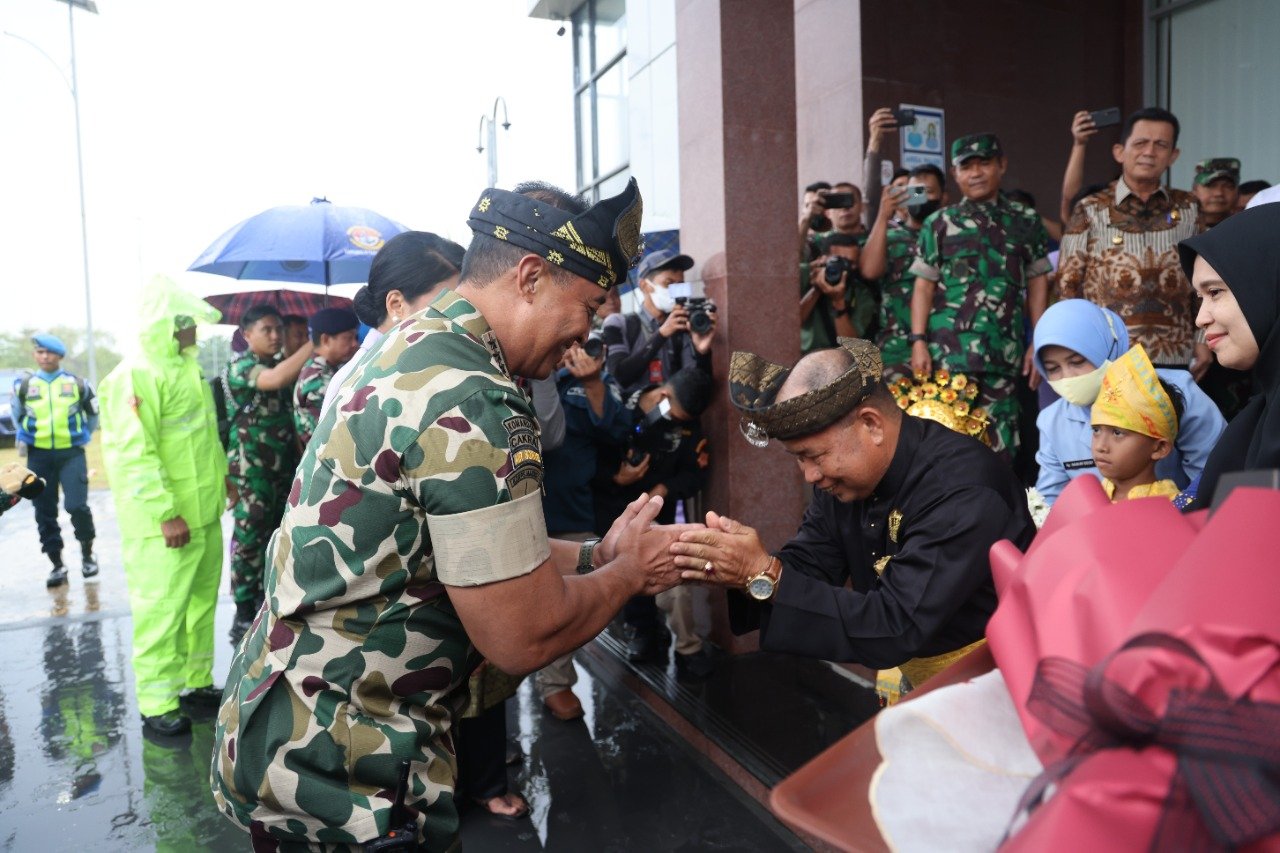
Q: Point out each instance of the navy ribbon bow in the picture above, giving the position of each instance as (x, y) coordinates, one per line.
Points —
(1226, 790)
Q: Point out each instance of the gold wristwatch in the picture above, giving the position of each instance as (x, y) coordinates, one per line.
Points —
(761, 587)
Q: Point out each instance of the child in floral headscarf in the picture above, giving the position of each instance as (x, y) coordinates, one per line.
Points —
(1135, 424)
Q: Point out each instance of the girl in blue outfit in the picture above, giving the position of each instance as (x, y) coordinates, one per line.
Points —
(1075, 341)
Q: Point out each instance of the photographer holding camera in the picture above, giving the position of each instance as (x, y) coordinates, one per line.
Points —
(666, 455)
(813, 217)
(888, 254)
(594, 419)
(828, 303)
(668, 333)
(830, 287)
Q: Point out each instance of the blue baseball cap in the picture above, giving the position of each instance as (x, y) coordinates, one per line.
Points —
(50, 342)
(663, 259)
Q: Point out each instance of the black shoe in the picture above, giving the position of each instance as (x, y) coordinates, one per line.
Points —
(239, 627)
(245, 613)
(202, 697)
(695, 667)
(57, 576)
(168, 724)
(89, 565)
(645, 647)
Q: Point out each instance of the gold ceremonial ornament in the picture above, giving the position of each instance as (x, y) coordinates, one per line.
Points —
(944, 397)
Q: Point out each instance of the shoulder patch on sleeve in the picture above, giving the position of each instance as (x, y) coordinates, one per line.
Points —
(524, 458)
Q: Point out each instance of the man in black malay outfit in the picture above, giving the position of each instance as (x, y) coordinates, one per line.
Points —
(904, 508)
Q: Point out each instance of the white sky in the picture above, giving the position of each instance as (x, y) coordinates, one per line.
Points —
(195, 116)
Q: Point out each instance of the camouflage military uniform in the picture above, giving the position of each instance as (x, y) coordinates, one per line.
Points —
(261, 456)
(896, 288)
(360, 660)
(308, 396)
(982, 254)
(861, 300)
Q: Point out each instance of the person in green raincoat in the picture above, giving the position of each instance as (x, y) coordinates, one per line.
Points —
(167, 472)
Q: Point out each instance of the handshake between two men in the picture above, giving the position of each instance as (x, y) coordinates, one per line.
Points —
(722, 552)
(522, 624)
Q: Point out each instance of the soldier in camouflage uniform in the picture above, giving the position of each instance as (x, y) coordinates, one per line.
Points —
(262, 452)
(333, 334)
(886, 260)
(990, 256)
(414, 544)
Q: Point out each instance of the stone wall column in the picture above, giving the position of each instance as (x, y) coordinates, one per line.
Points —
(737, 115)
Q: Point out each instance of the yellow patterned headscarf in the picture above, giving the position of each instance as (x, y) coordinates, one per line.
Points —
(1132, 399)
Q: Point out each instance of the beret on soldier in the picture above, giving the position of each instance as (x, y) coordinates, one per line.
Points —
(600, 245)
(52, 343)
(975, 145)
(333, 321)
(754, 384)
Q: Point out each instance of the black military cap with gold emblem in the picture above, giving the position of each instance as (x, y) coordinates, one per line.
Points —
(754, 384)
(600, 245)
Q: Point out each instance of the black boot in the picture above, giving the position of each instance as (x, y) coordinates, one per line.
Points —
(245, 611)
(58, 576)
(89, 563)
(168, 724)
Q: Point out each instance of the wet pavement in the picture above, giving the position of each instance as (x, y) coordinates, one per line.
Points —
(76, 771)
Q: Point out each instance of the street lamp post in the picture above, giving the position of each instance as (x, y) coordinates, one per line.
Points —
(89, 6)
(73, 85)
(491, 124)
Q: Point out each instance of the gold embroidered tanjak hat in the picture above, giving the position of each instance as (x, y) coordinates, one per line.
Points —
(1131, 398)
(600, 245)
(754, 384)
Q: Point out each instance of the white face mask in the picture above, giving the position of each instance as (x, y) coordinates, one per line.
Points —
(662, 299)
(1080, 390)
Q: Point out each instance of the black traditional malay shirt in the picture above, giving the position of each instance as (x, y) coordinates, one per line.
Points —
(914, 556)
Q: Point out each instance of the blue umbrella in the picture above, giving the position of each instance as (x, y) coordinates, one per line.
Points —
(318, 243)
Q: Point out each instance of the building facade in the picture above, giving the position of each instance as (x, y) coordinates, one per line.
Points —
(724, 109)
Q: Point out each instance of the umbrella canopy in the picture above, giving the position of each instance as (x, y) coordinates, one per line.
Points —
(318, 243)
(233, 305)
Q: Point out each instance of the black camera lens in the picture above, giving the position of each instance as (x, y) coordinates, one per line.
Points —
(700, 321)
(594, 347)
(835, 268)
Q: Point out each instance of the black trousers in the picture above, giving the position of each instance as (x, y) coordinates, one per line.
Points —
(482, 755)
(66, 469)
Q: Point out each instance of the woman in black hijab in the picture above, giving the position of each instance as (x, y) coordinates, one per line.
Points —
(1235, 270)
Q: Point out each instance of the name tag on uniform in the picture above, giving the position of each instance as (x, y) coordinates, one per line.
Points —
(66, 389)
(1078, 464)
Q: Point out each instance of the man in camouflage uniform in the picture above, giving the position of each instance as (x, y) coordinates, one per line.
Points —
(333, 334)
(845, 308)
(990, 256)
(262, 452)
(888, 254)
(414, 543)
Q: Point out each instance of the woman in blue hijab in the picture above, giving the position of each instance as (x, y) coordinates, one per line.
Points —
(1075, 340)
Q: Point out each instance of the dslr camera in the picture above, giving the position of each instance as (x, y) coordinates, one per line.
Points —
(593, 346)
(836, 267)
(700, 310)
(649, 434)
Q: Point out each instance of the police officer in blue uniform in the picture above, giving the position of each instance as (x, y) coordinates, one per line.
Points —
(57, 413)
